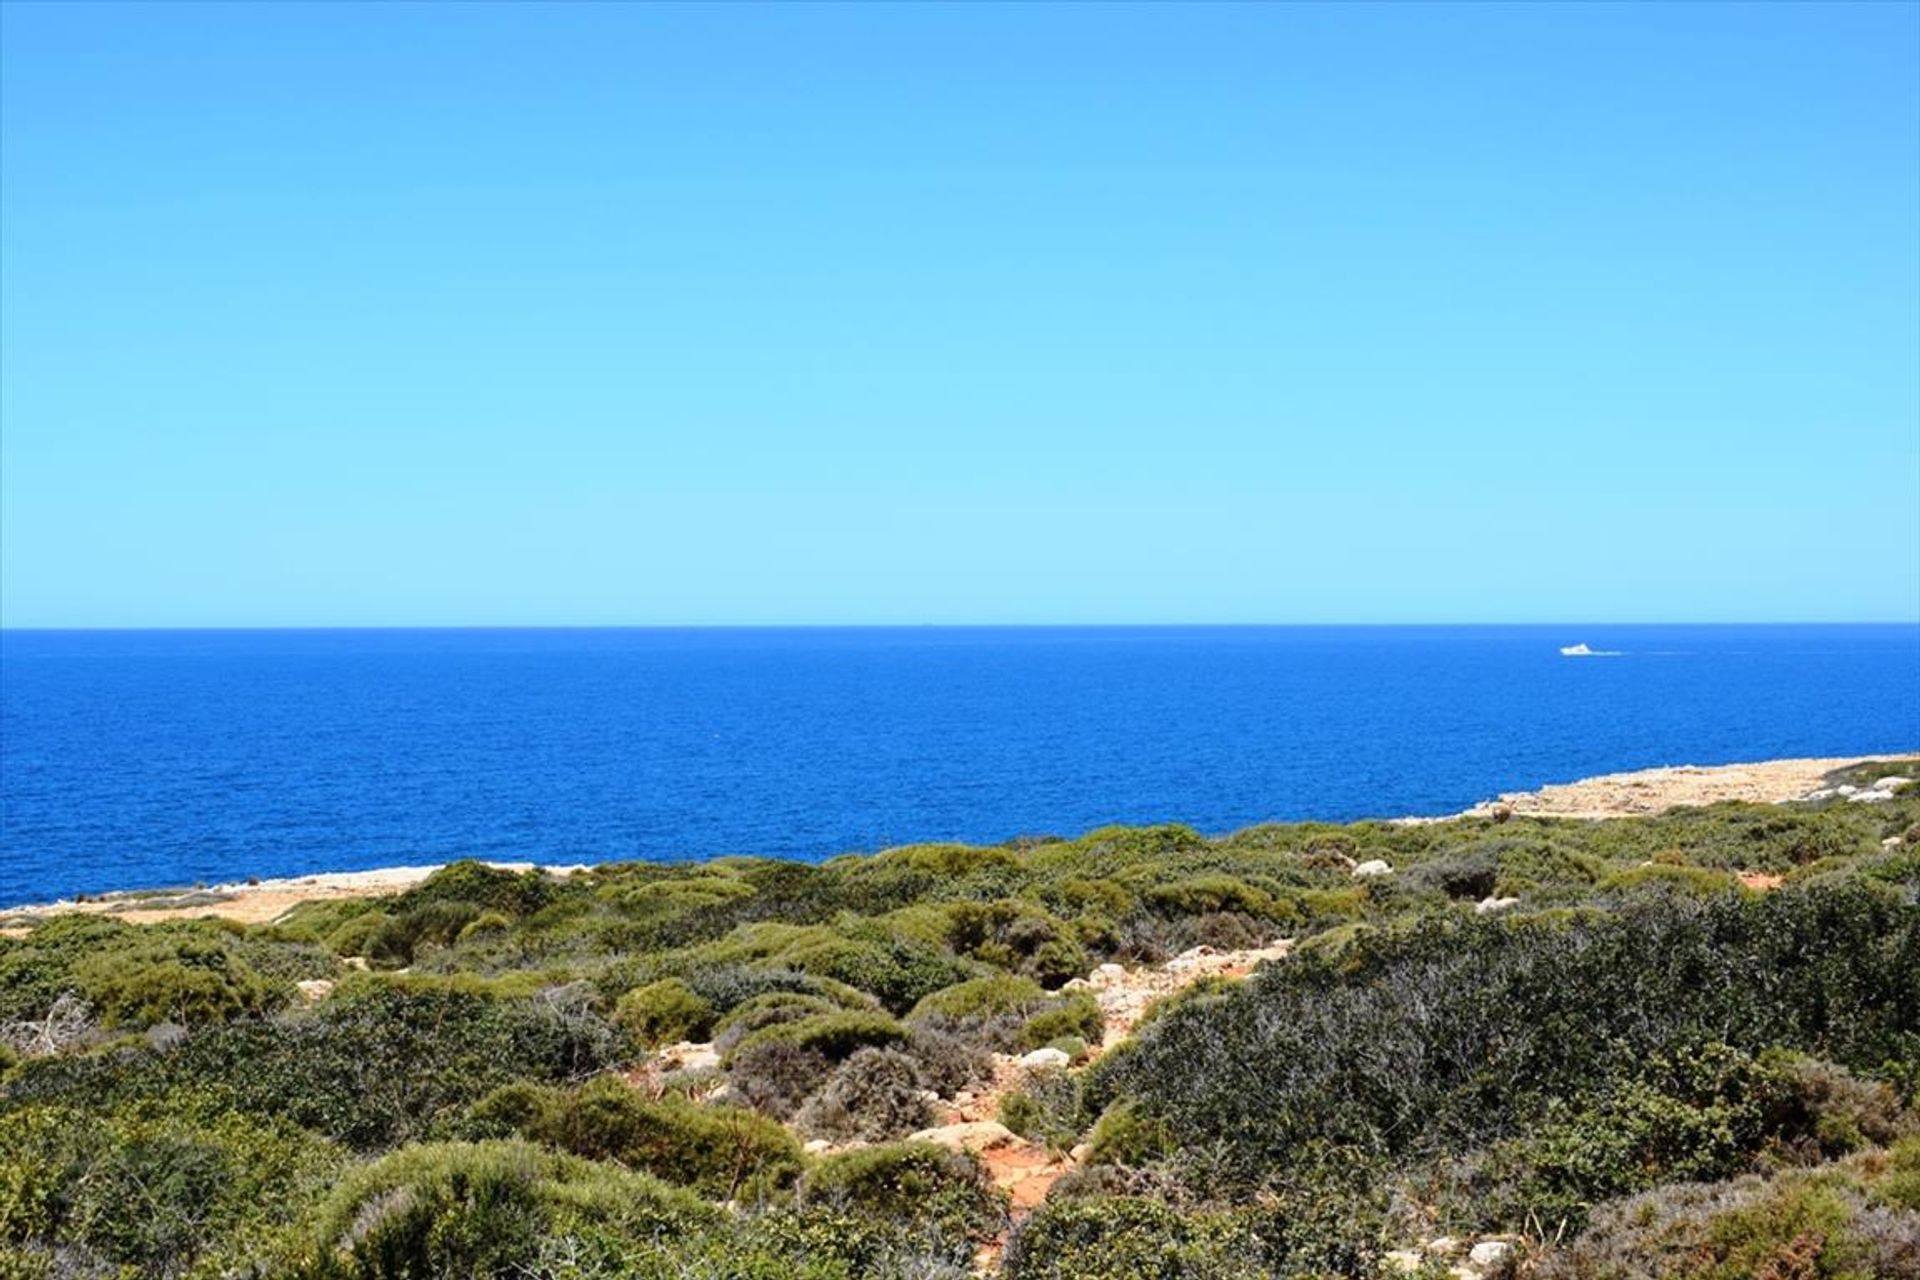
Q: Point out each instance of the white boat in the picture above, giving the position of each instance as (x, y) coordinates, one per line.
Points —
(1575, 651)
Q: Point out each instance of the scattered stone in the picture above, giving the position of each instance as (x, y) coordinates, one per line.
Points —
(1444, 1246)
(1487, 906)
(1845, 789)
(1892, 782)
(1491, 1255)
(1373, 867)
(1107, 975)
(314, 990)
(1044, 1058)
(1080, 1153)
(1404, 1260)
(816, 1146)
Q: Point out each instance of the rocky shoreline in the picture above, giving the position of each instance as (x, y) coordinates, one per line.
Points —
(1642, 793)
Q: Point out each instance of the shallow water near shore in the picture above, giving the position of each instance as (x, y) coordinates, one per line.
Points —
(146, 758)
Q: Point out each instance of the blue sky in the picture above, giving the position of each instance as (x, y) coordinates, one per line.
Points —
(344, 315)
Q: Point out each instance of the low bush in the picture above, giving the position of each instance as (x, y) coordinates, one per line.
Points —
(188, 977)
(664, 1012)
(482, 1209)
(1048, 1108)
(775, 1076)
(1844, 1221)
(871, 1097)
(982, 997)
(914, 1184)
(370, 1070)
(1454, 1035)
(834, 1036)
(1077, 1015)
(1124, 1239)
(723, 1153)
(160, 1188)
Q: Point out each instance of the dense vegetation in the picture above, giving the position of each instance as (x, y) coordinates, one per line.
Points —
(1593, 1040)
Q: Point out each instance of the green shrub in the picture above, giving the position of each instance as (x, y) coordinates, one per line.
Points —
(915, 1184)
(486, 924)
(1048, 1107)
(1125, 1239)
(369, 1069)
(163, 976)
(664, 1012)
(353, 937)
(403, 938)
(834, 1036)
(482, 1209)
(1000, 993)
(721, 1152)
(1835, 1222)
(159, 1188)
(1125, 1136)
(1697, 881)
(475, 884)
(1451, 1036)
(766, 1011)
(1078, 1015)
(775, 1076)
(871, 1097)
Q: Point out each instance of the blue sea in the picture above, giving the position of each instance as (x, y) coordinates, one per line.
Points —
(134, 759)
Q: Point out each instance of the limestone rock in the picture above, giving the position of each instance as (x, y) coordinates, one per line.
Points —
(1044, 1058)
(1373, 867)
(1487, 906)
(314, 990)
(1491, 1255)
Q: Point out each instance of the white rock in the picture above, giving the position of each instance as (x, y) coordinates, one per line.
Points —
(1107, 975)
(815, 1146)
(1043, 1058)
(1844, 790)
(1490, 1254)
(1891, 782)
(1373, 867)
(1080, 1152)
(1487, 906)
(1891, 842)
(688, 1056)
(314, 989)
(1407, 1260)
(1870, 797)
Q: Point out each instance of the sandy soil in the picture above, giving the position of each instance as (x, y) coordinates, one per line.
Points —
(1616, 795)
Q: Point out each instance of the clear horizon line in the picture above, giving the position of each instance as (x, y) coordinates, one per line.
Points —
(945, 626)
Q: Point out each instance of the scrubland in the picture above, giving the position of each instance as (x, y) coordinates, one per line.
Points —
(1684, 1045)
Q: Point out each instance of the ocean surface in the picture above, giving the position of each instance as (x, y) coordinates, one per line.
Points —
(132, 759)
